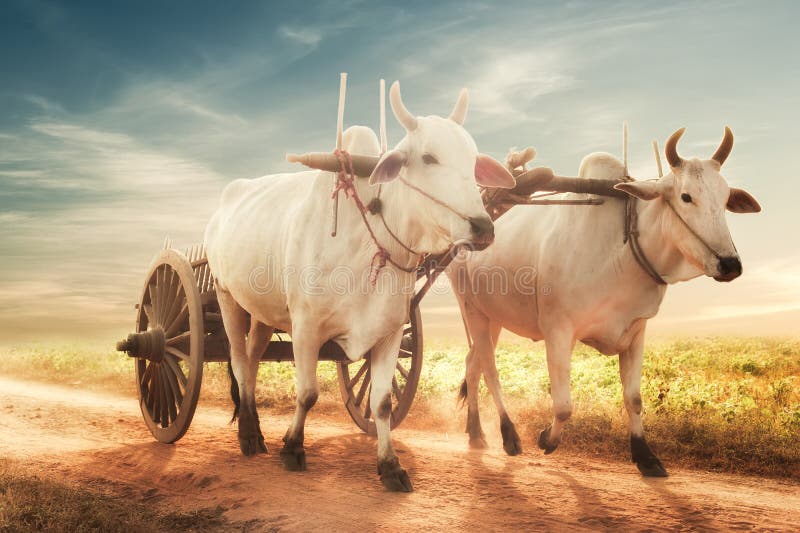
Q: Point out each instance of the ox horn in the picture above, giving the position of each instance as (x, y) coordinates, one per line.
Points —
(402, 114)
(671, 149)
(459, 113)
(725, 147)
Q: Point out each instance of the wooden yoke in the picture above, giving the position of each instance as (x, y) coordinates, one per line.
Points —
(363, 165)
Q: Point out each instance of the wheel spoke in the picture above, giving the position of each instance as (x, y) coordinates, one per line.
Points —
(363, 388)
(173, 383)
(175, 306)
(173, 413)
(396, 388)
(164, 401)
(358, 375)
(367, 411)
(172, 329)
(156, 393)
(151, 289)
(177, 353)
(168, 293)
(402, 370)
(177, 339)
(406, 330)
(148, 312)
(146, 375)
(176, 370)
(148, 391)
(159, 291)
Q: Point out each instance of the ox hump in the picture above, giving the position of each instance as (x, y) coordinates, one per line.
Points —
(601, 165)
(361, 140)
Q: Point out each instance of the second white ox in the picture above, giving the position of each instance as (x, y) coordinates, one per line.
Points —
(273, 258)
(564, 274)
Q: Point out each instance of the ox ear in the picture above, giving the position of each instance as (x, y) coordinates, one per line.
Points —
(389, 167)
(644, 190)
(741, 201)
(490, 173)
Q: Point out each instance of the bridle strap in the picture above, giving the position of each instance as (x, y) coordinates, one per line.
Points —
(427, 195)
(389, 230)
(432, 198)
(632, 237)
(693, 232)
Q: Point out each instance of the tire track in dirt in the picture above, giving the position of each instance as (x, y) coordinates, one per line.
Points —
(100, 441)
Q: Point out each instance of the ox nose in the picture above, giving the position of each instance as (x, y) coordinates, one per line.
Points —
(730, 268)
(482, 231)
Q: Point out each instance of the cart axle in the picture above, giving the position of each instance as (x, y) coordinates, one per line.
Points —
(148, 345)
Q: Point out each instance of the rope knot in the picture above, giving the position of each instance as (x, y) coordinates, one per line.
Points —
(345, 177)
(377, 263)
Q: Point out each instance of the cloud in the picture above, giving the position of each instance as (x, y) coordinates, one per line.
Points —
(43, 103)
(80, 135)
(304, 36)
(509, 82)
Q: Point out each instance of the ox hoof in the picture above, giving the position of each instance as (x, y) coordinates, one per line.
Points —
(478, 443)
(544, 441)
(511, 441)
(646, 461)
(293, 458)
(252, 445)
(393, 477)
(653, 468)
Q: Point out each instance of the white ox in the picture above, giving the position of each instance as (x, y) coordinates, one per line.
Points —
(273, 257)
(588, 286)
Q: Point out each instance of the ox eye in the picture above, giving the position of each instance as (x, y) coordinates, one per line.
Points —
(686, 198)
(429, 159)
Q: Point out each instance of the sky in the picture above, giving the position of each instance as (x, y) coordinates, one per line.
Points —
(121, 122)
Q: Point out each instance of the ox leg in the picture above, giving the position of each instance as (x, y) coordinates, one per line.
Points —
(383, 361)
(470, 394)
(630, 371)
(244, 368)
(486, 351)
(479, 330)
(559, 354)
(306, 355)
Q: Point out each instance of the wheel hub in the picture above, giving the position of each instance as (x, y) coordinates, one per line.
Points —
(148, 344)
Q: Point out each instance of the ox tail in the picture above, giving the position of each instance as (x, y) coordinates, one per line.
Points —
(462, 393)
(234, 393)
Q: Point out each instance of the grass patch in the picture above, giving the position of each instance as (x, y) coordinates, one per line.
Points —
(714, 403)
(34, 503)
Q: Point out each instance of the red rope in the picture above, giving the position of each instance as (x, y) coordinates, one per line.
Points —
(345, 181)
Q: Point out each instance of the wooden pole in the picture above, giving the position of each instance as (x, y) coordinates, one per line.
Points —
(543, 179)
(625, 146)
(658, 158)
(339, 127)
(384, 145)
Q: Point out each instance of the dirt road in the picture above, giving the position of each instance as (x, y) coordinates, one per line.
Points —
(100, 441)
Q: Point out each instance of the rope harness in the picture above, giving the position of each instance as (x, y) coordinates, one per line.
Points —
(345, 181)
(632, 235)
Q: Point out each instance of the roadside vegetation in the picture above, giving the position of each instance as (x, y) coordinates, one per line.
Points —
(32, 502)
(720, 404)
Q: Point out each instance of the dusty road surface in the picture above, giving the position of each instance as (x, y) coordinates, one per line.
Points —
(100, 441)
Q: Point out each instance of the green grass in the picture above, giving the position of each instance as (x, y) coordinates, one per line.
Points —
(713, 403)
(31, 502)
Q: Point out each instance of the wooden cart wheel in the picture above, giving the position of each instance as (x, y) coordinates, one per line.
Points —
(170, 337)
(355, 380)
